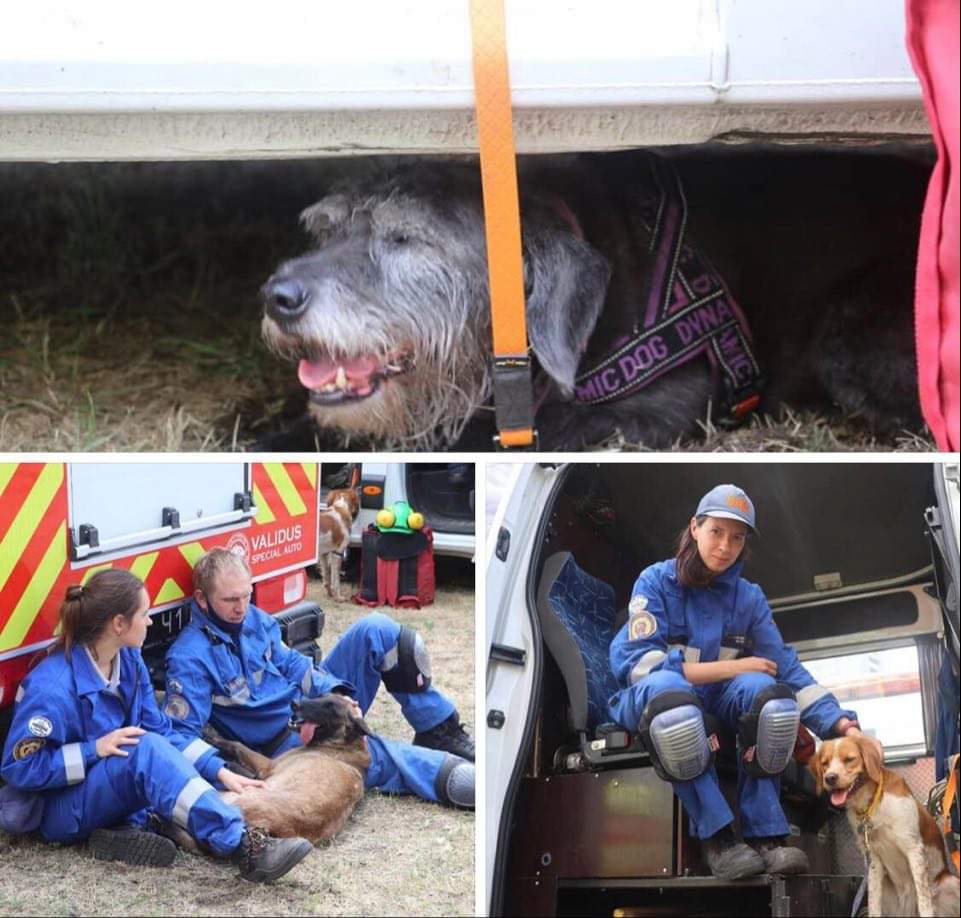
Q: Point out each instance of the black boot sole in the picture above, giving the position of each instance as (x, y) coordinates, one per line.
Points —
(263, 875)
(142, 849)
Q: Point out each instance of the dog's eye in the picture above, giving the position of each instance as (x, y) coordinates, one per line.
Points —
(400, 238)
(849, 760)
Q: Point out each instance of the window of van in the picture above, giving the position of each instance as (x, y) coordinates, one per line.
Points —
(884, 687)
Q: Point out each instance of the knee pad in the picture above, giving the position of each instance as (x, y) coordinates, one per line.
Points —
(768, 732)
(455, 783)
(674, 732)
(406, 666)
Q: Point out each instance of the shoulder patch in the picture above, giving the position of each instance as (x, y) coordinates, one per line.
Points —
(641, 624)
(27, 747)
(177, 707)
(40, 726)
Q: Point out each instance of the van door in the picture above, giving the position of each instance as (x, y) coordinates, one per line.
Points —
(943, 529)
(513, 654)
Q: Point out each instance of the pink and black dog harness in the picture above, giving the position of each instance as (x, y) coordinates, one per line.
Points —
(688, 312)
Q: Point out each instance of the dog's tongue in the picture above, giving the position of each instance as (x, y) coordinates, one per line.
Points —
(839, 797)
(307, 732)
(313, 374)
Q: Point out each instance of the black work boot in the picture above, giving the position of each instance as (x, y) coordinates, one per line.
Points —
(132, 845)
(778, 857)
(263, 859)
(448, 736)
(730, 859)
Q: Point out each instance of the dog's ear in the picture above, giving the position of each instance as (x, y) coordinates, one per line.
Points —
(873, 762)
(320, 218)
(817, 770)
(356, 727)
(565, 281)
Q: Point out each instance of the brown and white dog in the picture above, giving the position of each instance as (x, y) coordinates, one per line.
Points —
(908, 872)
(334, 537)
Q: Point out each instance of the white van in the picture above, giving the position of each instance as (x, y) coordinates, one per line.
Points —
(859, 562)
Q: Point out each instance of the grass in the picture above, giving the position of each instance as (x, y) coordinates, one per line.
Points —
(396, 856)
(129, 312)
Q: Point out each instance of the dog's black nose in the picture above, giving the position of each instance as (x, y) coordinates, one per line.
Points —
(830, 780)
(285, 299)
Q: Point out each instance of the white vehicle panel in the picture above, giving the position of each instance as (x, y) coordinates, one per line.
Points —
(296, 77)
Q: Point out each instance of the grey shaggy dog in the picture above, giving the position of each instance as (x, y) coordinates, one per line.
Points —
(388, 316)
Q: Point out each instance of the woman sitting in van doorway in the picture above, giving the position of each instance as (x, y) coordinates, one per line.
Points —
(88, 739)
(701, 638)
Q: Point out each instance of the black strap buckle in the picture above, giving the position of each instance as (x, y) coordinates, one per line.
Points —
(513, 397)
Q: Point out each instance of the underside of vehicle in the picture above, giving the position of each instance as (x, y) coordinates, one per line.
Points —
(856, 585)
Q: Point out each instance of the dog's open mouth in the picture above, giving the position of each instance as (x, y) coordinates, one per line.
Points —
(334, 380)
(840, 797)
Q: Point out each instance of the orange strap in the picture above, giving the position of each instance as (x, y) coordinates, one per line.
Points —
(515, 416)
(949, 793)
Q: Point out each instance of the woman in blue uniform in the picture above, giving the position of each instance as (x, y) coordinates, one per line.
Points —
(87, 737)
(700, 638)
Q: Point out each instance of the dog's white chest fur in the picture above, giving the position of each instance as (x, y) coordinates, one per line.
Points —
(892, 837)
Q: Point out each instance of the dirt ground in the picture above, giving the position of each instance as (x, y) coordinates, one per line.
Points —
(130, 314)
(396, 856)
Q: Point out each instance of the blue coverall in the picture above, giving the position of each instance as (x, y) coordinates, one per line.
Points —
(63, 707)
(726, 620)
(244, 689)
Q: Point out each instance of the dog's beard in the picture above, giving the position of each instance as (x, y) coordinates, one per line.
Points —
(425, 408)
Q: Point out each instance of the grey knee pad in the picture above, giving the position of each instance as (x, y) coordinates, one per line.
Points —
(673, 732)
(768, 732)
(454, 784)
(406, 666)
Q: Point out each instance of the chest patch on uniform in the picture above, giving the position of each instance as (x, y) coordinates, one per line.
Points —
(27, 747)
(177, 707)
(40, 726)
(642, 624)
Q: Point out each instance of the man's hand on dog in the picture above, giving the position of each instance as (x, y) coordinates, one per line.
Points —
(237, 783)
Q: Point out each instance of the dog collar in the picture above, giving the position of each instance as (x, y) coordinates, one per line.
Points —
(864, 816)
(688, 312)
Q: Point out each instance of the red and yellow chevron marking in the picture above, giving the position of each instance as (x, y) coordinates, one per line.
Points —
(34, 544)
(33, 549)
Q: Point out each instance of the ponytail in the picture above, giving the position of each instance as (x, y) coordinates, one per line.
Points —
(87, 609)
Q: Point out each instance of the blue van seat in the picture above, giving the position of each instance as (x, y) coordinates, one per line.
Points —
(576, 613)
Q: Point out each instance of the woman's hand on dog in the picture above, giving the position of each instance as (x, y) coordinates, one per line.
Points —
(847, 727)
(237, 783)
(110, 743)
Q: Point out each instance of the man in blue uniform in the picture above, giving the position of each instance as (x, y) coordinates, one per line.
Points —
(229, 667)
(700, 638)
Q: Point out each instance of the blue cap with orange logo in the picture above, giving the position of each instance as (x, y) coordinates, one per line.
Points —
(730, 502)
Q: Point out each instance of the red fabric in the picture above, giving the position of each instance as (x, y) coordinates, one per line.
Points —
(932, 38)
(387, 581)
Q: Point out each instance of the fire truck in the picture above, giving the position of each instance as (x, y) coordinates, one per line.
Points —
(61, 522)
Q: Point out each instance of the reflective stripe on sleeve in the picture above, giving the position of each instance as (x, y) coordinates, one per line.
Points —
(809, 694)
(73, 763)
(195, 750)
(728, 653)
(307, 682)
(691, 654)
(190, 794)
(643, 666)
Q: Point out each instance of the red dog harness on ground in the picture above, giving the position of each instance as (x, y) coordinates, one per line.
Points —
(688, 312)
